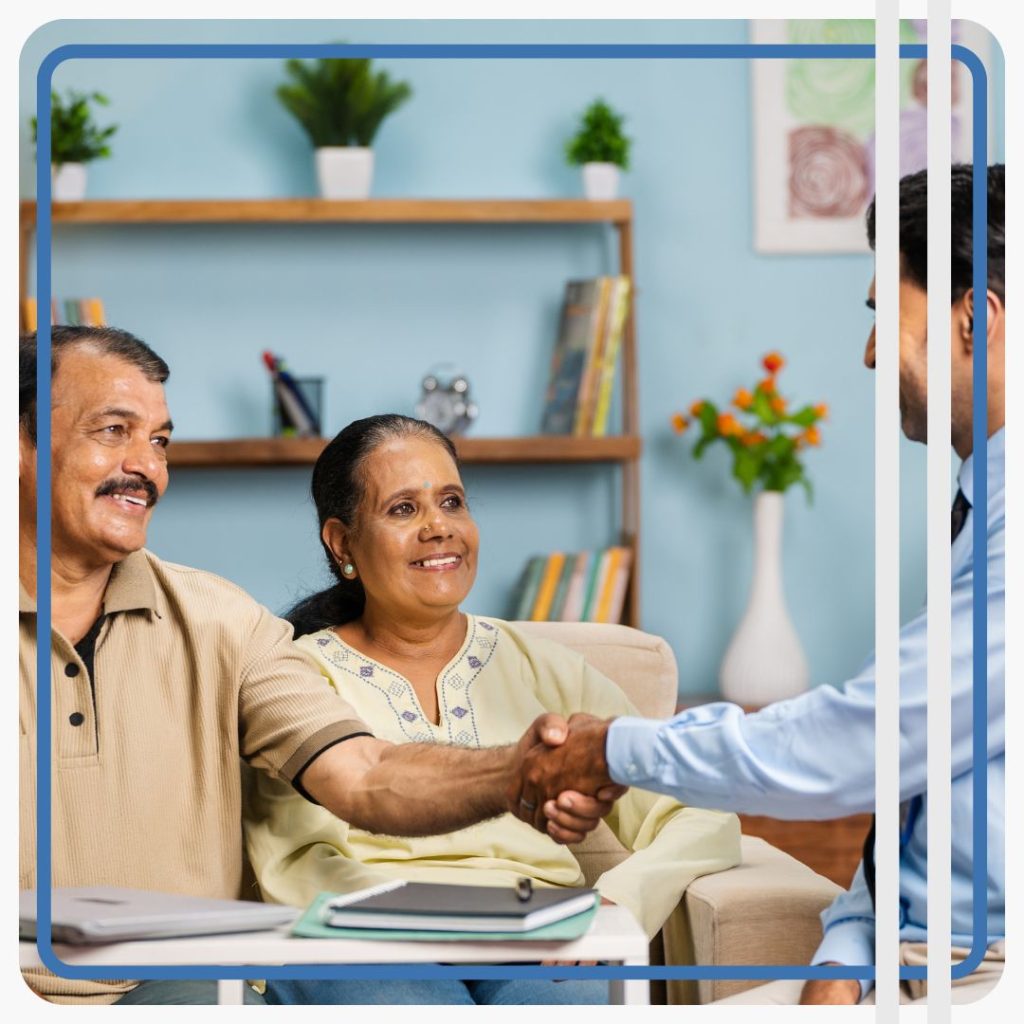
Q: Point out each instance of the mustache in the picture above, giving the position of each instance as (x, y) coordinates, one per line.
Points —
(127, 485)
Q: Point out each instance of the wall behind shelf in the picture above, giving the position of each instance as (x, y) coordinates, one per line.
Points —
(346, 301)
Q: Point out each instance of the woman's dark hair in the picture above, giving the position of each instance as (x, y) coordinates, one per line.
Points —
(914, 228)
(338, 487)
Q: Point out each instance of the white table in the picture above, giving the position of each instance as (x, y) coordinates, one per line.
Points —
(614, 936)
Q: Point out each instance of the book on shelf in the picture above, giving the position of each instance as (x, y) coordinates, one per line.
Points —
(562, 590)
(585, 358)
(529, 584)
(589, 586)
(577, 326)
(70, 312)
(572, 609)
(548, 584)
(587, 396)
(618, 308)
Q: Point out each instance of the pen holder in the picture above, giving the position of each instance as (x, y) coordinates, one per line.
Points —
(298, 404)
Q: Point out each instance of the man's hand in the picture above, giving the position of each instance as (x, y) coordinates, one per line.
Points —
(577, 813)
(830, 991)
(557, 764)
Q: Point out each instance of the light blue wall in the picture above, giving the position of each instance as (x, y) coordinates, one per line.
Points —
(373, 308)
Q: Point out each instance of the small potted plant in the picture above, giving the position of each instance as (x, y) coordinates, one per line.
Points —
(601, 149)
(341, 103)
(75, 140)
(767, 439)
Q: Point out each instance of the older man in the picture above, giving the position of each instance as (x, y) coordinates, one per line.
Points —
(813, 756)
(164, 676)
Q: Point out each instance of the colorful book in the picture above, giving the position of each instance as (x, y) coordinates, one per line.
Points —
(548, 584)
(618, 309)
(619, 586)
(613, 585)
(572, 610)
(587, 399)
(579, 320)
(528, 586)
(29, 316)
(558, 602)
(597, 569)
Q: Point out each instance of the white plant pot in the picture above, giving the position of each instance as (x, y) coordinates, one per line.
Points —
(344, 172)
(600, 181)
(67, 182)
(764, 661)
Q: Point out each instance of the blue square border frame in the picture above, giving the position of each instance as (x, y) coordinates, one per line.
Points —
(696, 51)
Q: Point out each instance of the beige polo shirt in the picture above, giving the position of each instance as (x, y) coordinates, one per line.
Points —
(190, 674)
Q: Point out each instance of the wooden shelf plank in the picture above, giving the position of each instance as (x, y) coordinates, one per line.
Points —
(288, 451)
(367, 211)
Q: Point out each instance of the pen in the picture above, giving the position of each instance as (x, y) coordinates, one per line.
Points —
(524, 890)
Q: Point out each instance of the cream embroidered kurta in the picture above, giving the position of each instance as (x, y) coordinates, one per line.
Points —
(490, 692)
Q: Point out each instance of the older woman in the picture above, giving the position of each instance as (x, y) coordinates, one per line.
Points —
(389, 636)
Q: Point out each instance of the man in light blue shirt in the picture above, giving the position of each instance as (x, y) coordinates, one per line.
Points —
(813, 756)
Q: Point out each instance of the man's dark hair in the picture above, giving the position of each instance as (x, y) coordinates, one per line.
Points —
(914, 229)
(108, 341)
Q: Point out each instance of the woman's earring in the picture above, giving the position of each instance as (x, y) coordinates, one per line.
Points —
(348, 569)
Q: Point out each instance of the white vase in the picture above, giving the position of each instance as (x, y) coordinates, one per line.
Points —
(67, 182)
(600, 181)
(764, 661)
(344, 172)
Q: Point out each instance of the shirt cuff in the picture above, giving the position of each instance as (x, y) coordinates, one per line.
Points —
(849, 942)
(630, 750)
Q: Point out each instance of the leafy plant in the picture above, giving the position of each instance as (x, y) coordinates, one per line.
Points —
(340, 101)
(767, 449)
(74, 136)
(600, 138)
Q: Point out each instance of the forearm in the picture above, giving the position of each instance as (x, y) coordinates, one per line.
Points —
(410, 789)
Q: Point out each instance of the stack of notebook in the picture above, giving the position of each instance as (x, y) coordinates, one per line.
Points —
(423, 910)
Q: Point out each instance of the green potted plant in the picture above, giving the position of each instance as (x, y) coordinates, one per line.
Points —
(75, 140)
(341, 102)
(601, 149)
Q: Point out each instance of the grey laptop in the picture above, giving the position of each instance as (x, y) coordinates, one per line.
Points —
(103, 914)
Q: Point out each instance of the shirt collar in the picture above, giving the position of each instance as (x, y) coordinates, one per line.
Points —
(131, 587)
(996, 448)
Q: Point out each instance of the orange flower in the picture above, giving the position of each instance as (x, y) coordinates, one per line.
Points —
(695, 409)
(728, 426)
(821, 411)
(778, 404)
(752, 437)
(811, 436)
(679, 423)
(773, 362)
(767, 385)
(743, 399)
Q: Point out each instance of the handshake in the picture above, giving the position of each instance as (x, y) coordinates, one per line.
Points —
(560, 782)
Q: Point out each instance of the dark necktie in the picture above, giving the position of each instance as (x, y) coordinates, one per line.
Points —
(958, 516)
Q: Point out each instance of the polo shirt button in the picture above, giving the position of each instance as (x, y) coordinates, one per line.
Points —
(71, 669)
(76, 718)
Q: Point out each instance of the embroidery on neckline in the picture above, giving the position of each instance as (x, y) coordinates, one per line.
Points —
(400, 695)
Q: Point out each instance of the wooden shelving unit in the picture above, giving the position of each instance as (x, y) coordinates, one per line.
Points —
(473, 451)
(623, 450)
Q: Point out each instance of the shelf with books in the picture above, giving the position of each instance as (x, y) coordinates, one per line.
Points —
(478, 451)
(621, 449)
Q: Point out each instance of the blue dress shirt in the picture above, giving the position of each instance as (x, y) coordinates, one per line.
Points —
(813, 756)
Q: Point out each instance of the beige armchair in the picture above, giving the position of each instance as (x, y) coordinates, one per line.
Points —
(765, 910)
